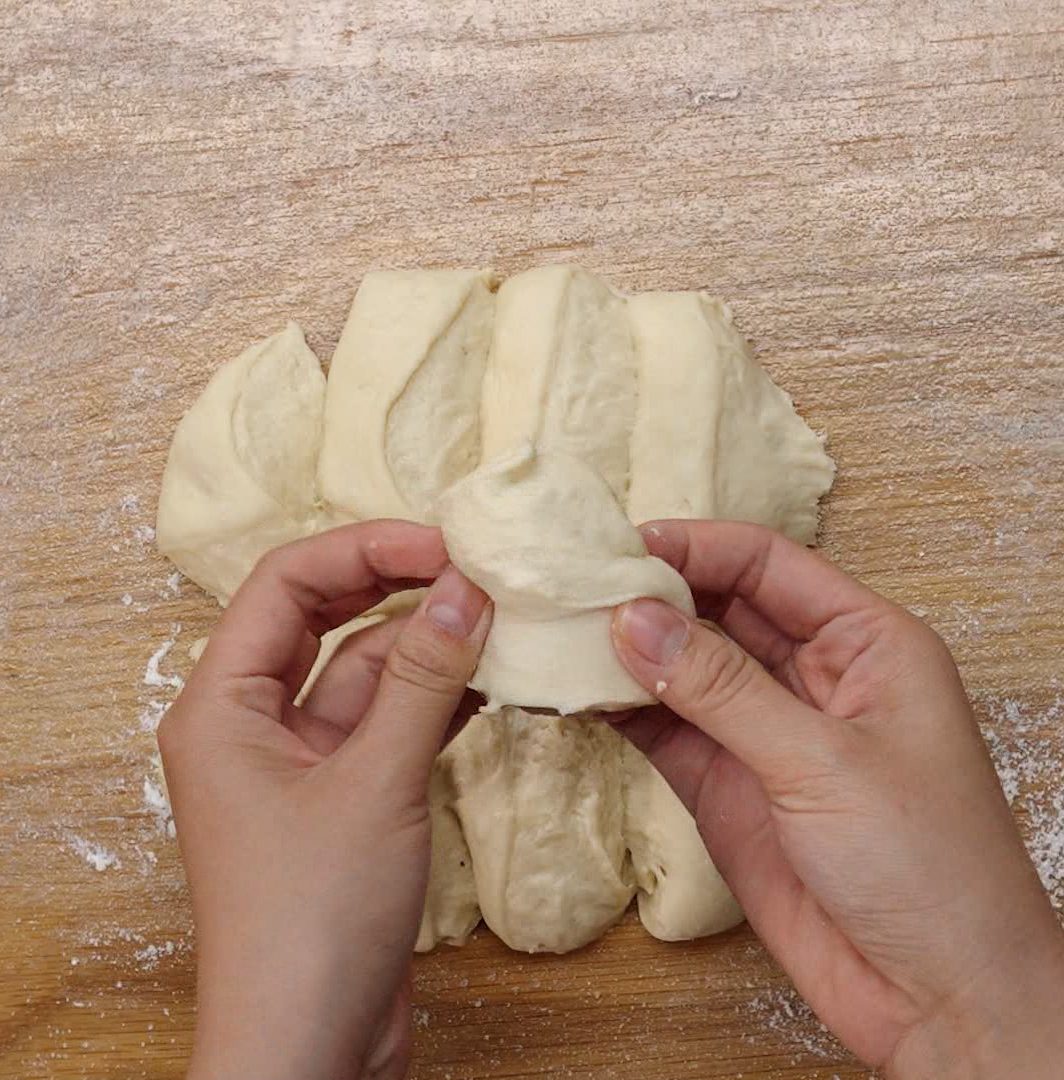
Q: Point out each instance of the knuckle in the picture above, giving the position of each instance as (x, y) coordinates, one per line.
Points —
(423, 662)
(718, 672)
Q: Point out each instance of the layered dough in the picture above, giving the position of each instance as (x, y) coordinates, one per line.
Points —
(714, 436)
(403, 404)
(543, 535)
(562, 372)
(524, 417)
(240, 476)
(541, 799)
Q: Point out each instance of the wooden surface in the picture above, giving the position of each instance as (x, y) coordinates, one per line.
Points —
(877, 186)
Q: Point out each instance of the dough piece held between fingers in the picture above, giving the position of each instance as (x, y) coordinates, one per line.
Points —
(403, 402)
(561, 373)
(240, 476)
(681, 894)
(544, 537)
(541, 805)
(714, 436)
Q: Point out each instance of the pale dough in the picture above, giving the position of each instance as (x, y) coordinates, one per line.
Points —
(561, 373)
(594, 402)
(681, 894)
(240, 476)
(714, 436)
(541, 804)
(542, 534)
(402, 408)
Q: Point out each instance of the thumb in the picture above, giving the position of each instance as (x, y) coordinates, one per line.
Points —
(424, 677)
(709, 681)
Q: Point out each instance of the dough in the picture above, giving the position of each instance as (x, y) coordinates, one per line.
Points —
(451, 910)
(561, 373)
(681, 894)
(240, 476)
(540, 802)
(653, 403)
(401, 413)
(543, 536)
(714, 436)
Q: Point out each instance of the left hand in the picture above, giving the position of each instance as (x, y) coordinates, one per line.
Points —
(305, 831)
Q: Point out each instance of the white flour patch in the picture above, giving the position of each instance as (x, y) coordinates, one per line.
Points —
(96, 855)
(152, 675)
(151, 715)
(157, 804)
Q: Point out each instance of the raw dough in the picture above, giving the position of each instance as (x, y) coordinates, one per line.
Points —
(451, 910)
(561, 373)
(543, 536)
(681, 894)
(714, 436)
(540, 801)
(240, 476)
(401, 413)
(553, 821)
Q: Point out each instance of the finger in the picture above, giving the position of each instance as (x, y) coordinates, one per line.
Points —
(298, 592)
(793, 588)
(712, 683)
(343, 691)
(681, 752)
(422, 684)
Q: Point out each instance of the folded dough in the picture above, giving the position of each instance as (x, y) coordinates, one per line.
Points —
(681, 894)
(561, 373)
(714, 436)
(402, 408)
(240, 476)
(542, 534)
(540, 802)
(451, 909)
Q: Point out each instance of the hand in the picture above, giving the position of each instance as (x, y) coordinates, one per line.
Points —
(305, 831)
(838, 778)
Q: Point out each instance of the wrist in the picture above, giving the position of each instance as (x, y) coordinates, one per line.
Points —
(1005, 1024)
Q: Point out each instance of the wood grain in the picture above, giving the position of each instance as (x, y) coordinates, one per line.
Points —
(877, 187)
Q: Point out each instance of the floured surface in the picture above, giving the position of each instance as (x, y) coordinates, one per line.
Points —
(876, 205)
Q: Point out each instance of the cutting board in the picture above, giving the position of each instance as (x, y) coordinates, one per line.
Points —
(876, 186)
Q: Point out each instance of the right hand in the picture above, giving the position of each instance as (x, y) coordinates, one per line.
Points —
(832, 762)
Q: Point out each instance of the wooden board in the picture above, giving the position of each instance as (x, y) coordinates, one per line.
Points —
(875, 185)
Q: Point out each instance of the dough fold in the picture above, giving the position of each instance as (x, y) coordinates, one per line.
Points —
(402, 408)
(681, 893)
(561, 373)
(714, 436)
(541, 805)
(239, 479)
(542, 534)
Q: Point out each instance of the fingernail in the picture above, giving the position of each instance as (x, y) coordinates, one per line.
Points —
(653, 629)
(455, 604)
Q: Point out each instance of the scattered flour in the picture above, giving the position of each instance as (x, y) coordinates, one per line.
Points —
(1031, 771)
(781, 1011)
(152, 675)
(96, 855)
(158, 805)
(151, 715)
(149, 957)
